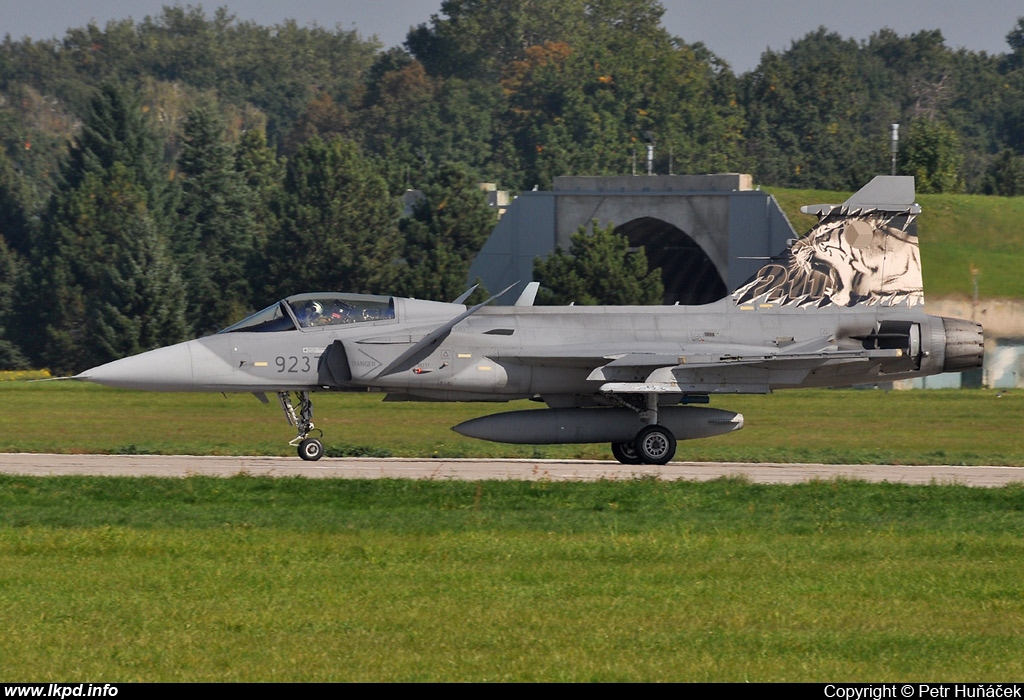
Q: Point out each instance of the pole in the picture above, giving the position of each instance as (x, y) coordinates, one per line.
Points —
(895, 139)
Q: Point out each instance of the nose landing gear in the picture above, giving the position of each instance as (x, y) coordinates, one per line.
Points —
(310, 448)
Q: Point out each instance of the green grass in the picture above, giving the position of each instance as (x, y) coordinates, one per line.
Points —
(830, 426)
(258, 579)
(957, 232)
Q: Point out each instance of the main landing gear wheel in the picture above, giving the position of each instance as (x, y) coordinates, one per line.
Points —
(655, 444)
(311, 449)
(625, 452)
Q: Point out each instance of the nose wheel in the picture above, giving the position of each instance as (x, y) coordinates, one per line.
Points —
(310, 448)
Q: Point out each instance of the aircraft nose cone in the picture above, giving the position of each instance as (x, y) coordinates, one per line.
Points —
(165, 369)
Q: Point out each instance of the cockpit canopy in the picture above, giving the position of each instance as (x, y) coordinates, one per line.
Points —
(316, 310)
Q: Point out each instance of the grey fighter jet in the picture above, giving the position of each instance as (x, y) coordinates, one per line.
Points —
(842, 306)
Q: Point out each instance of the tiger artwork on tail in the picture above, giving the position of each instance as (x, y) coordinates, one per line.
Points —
(866, 258)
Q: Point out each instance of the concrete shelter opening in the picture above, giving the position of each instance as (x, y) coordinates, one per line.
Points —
(687, 272)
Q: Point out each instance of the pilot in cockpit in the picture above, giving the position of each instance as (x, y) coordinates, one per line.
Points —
(312, 314)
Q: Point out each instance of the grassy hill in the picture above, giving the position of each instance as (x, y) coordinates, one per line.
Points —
(957, 231)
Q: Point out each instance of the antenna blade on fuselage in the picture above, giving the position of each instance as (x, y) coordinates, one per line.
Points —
(528, 295)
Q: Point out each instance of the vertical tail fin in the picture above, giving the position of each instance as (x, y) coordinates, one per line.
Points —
(863, 251)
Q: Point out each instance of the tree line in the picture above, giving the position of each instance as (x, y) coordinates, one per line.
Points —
(160, 179)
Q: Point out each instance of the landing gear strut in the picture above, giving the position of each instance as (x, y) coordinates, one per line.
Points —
(310, 448)
(654, 444)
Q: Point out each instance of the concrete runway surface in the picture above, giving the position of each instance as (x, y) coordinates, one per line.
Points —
(479, 469)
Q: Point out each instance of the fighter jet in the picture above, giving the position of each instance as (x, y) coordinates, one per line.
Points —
(843, 305)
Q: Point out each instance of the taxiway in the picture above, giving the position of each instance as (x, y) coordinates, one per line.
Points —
(477, 469)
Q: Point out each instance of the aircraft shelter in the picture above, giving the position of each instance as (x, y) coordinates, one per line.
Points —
(708, 233)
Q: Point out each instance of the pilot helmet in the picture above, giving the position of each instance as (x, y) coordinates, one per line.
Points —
(311, 312)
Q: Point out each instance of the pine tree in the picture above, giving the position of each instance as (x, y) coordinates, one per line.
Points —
(445, 232)
(215, 220)
(140, 302)
(15, 244)
(598, 269)
(112, 198)
(11, 356)
(263, 174)
(108, 287)
(116, 129)
(339, 224)
(15, 217)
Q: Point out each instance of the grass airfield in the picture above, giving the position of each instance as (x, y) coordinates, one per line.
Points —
(254, 579)
(258, 579)
(970, 427)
